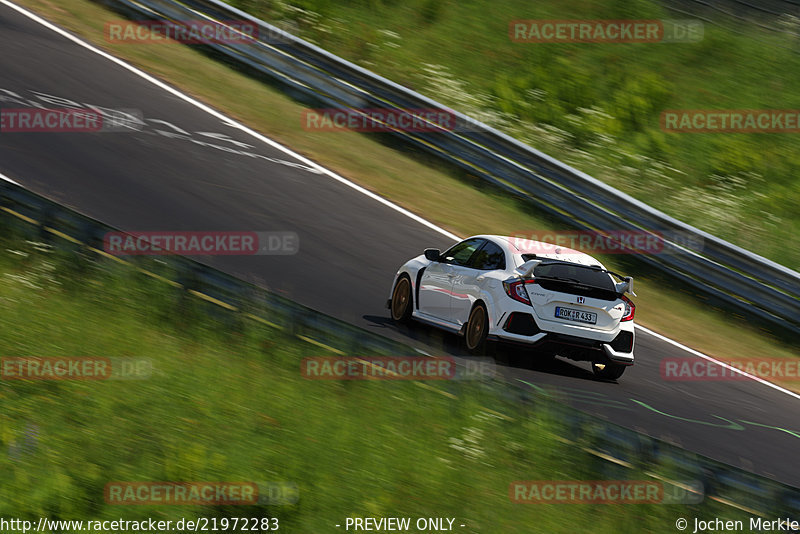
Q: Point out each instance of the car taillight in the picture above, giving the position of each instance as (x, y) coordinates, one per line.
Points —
(630, 309)
(516, 290)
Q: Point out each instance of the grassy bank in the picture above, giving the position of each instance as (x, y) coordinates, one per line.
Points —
(229, 404)
(597, 106)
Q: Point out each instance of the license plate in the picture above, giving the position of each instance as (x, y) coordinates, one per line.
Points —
(576, 315)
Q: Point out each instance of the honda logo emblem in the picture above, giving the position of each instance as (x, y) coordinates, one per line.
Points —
(581, 300)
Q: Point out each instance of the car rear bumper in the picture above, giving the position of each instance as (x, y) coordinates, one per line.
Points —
(615, 345)
(624, 358)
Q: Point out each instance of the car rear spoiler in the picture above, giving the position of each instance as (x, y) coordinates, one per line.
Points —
(526, 269)
(626, 286)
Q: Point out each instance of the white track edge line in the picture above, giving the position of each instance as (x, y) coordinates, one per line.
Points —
(322, 169)
(718, 362)
(7, 179)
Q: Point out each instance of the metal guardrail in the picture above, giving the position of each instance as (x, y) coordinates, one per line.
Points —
(623, 449)
(753, 285)
(616, 447)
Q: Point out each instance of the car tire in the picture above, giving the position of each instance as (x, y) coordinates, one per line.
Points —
(477, 329)
(607, 370)
(401, 303)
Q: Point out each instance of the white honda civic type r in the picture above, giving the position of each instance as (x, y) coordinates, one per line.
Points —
(490, 287)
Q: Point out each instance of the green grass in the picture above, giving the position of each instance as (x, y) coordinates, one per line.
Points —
(228, 403)
(597, 106)
(409, 179)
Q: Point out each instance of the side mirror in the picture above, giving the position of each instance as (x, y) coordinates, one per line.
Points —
(433, 254)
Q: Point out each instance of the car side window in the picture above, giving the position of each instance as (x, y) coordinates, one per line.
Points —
(461, 253)
(489, 258)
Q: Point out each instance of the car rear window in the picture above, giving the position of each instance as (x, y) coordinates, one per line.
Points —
(576, 280)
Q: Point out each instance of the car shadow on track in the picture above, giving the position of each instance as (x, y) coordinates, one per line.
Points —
(439, 342)
(434, 340)
(539, 361)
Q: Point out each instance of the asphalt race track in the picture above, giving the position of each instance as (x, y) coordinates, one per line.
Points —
(185, 169)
